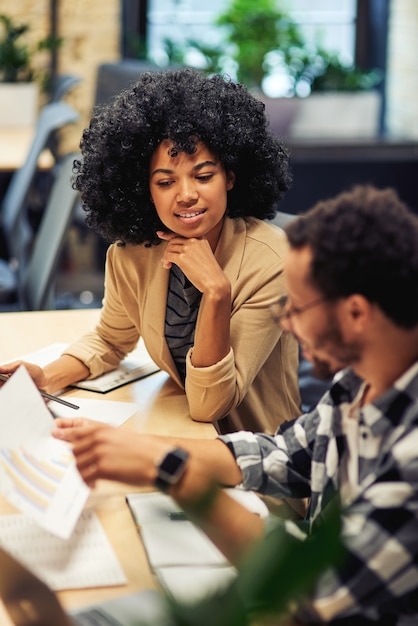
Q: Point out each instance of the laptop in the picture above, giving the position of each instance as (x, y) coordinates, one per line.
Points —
(30, 602)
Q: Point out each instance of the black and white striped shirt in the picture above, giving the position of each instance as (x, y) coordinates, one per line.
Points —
(183, 300)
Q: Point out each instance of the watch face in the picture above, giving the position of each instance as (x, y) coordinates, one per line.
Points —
(171, 464)
(172, 467)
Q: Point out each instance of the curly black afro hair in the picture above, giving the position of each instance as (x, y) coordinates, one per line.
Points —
(184, 106)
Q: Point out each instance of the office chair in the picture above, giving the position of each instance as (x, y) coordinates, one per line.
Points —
(63, 84)
(282, 219)
(35, 289)
(16, 230)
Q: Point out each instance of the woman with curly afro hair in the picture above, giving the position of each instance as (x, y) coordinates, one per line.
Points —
(178, 174)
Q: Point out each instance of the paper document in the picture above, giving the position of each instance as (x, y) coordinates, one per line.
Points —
(38, 474)
(86, 559)
(106, 411)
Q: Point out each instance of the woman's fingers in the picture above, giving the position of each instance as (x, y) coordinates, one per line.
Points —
(35, 372)
(161, 234)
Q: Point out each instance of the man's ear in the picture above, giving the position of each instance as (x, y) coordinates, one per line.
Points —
(358, 309)
(230, 180)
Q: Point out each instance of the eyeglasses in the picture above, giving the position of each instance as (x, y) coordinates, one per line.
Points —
(279, 314)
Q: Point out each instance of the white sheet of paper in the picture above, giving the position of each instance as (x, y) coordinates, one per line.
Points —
(44, 355)
(107, 411)
(24, 420)
(86, 559)
(38, 474)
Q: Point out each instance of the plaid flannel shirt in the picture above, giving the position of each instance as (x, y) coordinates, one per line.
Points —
(378, 579)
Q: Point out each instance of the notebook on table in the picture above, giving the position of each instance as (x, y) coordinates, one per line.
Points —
(188, 566)
(31, 602)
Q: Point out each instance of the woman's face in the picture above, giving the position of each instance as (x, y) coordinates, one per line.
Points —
(189, 191)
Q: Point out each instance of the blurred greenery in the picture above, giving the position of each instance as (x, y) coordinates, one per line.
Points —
(260, 39)
(254, 32)
(16, 56)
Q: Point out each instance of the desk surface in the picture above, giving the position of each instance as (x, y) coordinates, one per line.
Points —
(14, 146)
(162, 408)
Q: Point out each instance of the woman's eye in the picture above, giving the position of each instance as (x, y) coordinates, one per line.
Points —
(203, 178)
(164, 183)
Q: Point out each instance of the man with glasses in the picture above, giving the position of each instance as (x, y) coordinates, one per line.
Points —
(352, 284)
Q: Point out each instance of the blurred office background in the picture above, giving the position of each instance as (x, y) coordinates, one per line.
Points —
(105, 44)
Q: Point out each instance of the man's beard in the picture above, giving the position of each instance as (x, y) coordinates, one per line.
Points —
(322, 369)
(344, 354)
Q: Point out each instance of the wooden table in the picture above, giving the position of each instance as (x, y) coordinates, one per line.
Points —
(162, 408)
(14, 146)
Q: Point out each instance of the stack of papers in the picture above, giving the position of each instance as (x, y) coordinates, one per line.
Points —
(187, 564)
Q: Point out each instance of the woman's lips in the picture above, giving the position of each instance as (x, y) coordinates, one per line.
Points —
(190, 217)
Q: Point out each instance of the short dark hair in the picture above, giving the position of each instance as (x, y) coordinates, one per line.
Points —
(364, 241)
(184, 106)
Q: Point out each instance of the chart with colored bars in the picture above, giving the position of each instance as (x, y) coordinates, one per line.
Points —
(38, 474)
(47, 487)
(33, 480)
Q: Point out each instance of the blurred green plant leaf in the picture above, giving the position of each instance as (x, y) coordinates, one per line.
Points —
(15, 54)
(260, 37)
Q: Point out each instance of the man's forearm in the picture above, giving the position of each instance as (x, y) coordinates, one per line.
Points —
(233, 528)
(214, 458)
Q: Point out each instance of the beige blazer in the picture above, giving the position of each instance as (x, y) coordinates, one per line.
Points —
(255, 386)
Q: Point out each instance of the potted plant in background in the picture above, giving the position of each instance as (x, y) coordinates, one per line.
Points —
(309, 92)
(20, 82)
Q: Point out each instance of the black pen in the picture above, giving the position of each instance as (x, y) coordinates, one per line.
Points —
(177, 516)
(47, 396)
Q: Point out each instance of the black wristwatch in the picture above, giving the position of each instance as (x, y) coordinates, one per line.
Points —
(171, 469)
